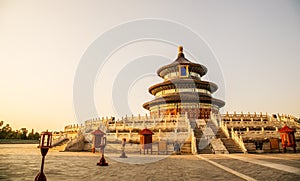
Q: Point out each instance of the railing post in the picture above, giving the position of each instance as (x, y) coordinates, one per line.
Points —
(165, 123)
(159, 132)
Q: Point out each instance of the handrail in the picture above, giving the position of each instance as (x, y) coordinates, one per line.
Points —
(225, 130)
(59, 140)
(193, 143)
(239, 140)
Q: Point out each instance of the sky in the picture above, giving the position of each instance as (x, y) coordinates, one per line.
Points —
(256, 45)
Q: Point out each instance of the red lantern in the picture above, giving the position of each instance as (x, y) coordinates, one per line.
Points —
(287, 138)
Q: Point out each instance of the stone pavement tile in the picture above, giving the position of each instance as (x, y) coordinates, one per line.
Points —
(256, 171)
(286, 156)
(289, 156)
(283, 162)
(281, 167)
(285, 159)
(172, 168)
(75, 166)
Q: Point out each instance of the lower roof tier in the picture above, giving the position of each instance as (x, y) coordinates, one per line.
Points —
(183, 83)
(184, 97)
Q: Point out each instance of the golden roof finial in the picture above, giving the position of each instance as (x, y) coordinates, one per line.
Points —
(180, 49)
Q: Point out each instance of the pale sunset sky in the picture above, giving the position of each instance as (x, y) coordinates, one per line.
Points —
(256, 43)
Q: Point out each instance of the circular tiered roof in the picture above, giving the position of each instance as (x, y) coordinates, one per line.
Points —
(184, 97)
(185, 85)
(181, 60)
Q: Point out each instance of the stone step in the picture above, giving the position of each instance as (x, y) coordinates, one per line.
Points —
(206, 150)
(220, 134)
(60, 147)
(198, 133)
(60, 143)
(231, 146)
(186, 148)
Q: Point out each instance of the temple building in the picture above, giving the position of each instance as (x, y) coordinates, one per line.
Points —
(183, 91)
(185, 113)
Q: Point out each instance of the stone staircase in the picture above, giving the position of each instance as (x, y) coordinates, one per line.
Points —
(231, 146)
(186, 148)
(229, 143)
(60, 142)
(76, 144)
(60, 145)
(220, 134)
(203, 147)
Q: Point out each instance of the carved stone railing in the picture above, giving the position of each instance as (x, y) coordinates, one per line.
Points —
(239, 140)
(225, 130)
(73, 128)
(253, 123)
(193, 143)
(289, 120)
(246, 115)
(76, 144)
(139, 122)
(60, 139)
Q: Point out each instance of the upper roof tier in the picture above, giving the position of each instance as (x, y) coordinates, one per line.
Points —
(181, 60)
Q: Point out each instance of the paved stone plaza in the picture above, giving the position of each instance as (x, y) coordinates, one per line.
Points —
(209, 167)
(23, 163)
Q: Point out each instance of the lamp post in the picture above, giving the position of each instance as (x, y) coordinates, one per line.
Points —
(123, 154)
(45, 144)
(102, 161)
(99, 141)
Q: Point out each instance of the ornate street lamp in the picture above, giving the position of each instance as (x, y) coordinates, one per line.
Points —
(99, 141)
(123, 154)
(45, 144)
(102, 161)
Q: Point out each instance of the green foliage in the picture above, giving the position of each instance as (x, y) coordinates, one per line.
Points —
(34, 136)
(6, 132)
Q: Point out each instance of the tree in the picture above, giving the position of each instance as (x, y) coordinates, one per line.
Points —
(36, 136)
(6, 132)
(24, 132)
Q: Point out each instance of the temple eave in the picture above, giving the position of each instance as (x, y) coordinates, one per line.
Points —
(184, 99)
(183, 83)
